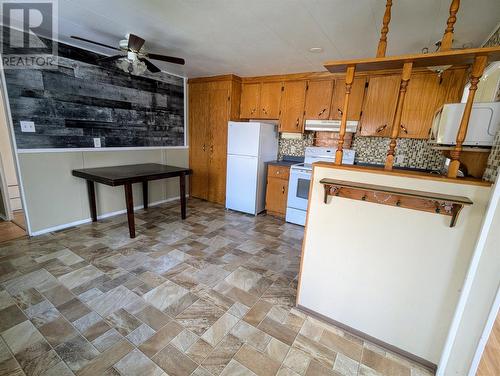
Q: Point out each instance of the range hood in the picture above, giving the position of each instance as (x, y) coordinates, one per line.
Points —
(330, 125)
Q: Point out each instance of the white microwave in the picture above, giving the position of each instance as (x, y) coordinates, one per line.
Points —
(484, 123)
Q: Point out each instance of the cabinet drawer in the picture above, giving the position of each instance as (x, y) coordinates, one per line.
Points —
(281, 172)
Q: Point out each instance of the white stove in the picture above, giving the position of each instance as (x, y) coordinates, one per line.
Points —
(300, 179)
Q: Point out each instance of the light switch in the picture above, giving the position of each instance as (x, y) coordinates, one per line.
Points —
(97, 142)
(27, 126)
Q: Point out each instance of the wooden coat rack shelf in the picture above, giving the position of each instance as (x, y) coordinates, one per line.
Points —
(404, 198)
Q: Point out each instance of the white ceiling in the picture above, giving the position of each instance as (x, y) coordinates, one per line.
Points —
(258, 37)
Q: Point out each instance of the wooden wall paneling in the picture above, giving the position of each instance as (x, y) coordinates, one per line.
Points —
(380, 105)
(355, 101)
(250, 100)
(270, 100)
(199, 107)
(318, 99)
(80, 100)
(219, 116)
(292, 107)
(423, 99)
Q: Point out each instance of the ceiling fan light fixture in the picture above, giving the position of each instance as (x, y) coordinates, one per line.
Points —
(135, 67)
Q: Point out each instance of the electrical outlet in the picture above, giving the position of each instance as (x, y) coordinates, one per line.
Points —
(400, 159)
(28, 126)
(97, 142)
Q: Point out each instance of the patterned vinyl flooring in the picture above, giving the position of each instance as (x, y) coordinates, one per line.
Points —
(211, 295)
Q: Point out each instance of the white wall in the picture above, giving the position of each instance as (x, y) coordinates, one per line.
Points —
(392, 273)
(485, 284)
(55, 198)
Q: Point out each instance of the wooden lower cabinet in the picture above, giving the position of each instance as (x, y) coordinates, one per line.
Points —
(277, 190)
(211, 105)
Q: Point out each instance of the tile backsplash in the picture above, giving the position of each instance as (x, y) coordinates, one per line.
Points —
(412, 153)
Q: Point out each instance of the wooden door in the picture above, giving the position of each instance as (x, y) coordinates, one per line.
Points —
(423, 97)
(270, 99)
(318, 99)
(355, 99)
(380, 105)
(276, 196)
(219, 116)
(292, 107)
(250, 101)
(198, 141)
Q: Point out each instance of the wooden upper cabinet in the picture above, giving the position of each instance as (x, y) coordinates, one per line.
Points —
(423, 97)
(250, 101)
(270, 99)
(318, 99)
(355, 99)
(292, 107)
(380, 105)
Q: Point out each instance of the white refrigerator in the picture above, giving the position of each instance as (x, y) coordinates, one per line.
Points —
(249, 146)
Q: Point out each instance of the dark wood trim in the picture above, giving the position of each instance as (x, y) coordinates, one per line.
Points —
(145, 199)
(182, 192)
(414, 358)
(129, 200)
(429, 202)
(92, 202)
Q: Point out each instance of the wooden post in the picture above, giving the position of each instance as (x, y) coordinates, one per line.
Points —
(382, 44)
(396, 123)
(349, 78)
(476, 73)
(447, 40)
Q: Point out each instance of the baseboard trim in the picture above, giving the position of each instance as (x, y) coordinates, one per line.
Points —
(414, 358)
(101, 216)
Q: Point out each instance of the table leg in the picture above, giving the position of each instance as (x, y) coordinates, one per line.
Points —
(182, 180)
(92, 204)
(145, 194)
(130, 209)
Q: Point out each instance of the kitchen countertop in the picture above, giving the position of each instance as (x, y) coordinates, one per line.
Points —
(282, 163)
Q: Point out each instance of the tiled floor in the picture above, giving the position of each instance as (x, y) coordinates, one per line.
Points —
(211, 295)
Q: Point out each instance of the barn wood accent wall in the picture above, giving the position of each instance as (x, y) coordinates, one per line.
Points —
(80, 100)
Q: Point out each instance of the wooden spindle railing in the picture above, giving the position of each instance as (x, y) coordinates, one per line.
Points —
(382, 44)
(349, 78)
(476, 73)
(396, 122)
(447, 40)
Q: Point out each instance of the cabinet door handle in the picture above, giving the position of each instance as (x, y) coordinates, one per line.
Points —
(264, 111)
(211, 149)
(251, 112)
(381, 128)
(404, 129)
(340, 111)
(322, 112)
(297, 123)
(203, 147)
(283, 190)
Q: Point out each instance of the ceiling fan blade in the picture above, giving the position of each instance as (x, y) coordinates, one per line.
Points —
(110, 58)
(151, 67)
(135, 43)
(96, 43)
(168, 59)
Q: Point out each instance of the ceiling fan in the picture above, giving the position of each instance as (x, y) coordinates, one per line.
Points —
(136, 59)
